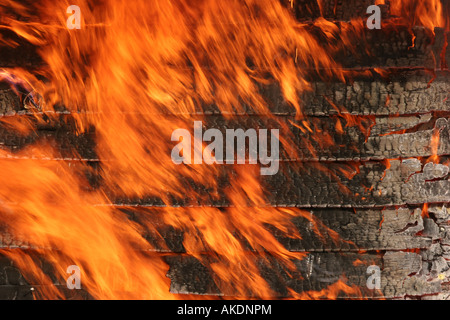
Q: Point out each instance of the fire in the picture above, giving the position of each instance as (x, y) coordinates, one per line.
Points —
(425, 213)
(53, 213)
(136, 72)
(429, 14)
(434, 146)
(333, 291)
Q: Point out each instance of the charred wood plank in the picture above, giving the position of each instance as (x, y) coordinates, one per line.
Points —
(17, 52)
(397, 182)
(302, 184)
(400, 275)
(388, 229)
(315, 138)
(353, 138)
(400, 93)
(393, 46)
(328, 230)
(403, 274)
(13, 285)
(305, 185)
(9, 102)
(305, 10)
(339, 230)
(67, 144)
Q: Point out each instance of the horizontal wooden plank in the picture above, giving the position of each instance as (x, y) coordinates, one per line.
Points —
(303, 184)
(337, 138)
(346, 139)
(403, 274)
(320, 230)
(13, 285)
(22, 54)
(305, 10)
(60, 136)
(306, 185)
(392, 46)
(399, 93)
(321, 185)
(399, 275)
(395, 45)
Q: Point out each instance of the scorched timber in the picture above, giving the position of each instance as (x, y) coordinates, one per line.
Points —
(14, 286)
(399, 93)
(394, 46)
(297, 184)
(322, 185)
(357, 138)
(307, 10)
(400, 275)
(336, 138)
(403, 274)
(322, 230)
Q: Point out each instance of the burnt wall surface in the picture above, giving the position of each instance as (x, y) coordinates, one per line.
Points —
(375, 193)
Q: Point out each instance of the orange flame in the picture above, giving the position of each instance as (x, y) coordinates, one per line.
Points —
(136, 73)
(332, 292)
(429, 14)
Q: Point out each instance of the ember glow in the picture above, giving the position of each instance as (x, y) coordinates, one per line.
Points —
(136, 72)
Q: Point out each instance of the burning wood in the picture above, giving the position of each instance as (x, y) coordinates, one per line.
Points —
(88, 177)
